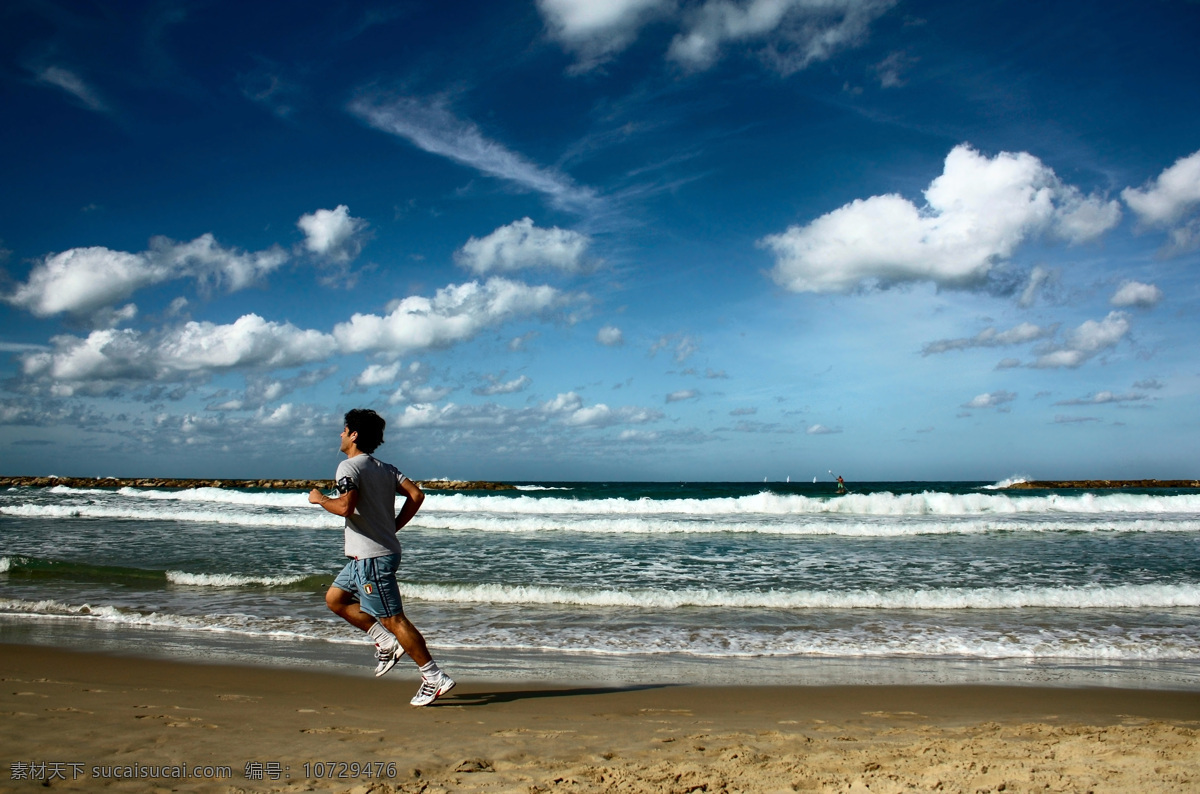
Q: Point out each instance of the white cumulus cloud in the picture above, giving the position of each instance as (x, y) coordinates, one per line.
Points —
(1135, 293)
(521, 245)
(976, 214)
(456, 313)
(597, 29)
(83, 281)
(377, 375)
(263, 389)
(563, 403)
(610, 336)
(685, 346)
(109, 358)
(1083, 343)
(333, 234)
(570, 409)
(1170, 202)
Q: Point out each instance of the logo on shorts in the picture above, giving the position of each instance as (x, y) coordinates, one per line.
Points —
(370, 588)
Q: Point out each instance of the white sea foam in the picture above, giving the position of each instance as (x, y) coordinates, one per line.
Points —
(892, 637)
(1011, 481)
(228, 580)
(280, 627)
(1118, 597)
(877, 504)
(222, 496)
(307, 519)
(891, 640)
(878, 515)
(765, 503)
(798, 526)
(886, 639)
(66, 490)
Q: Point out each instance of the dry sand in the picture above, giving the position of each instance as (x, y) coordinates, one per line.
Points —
(83, 718)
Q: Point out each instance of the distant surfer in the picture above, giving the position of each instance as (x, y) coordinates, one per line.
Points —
(365, 593)
(841, 484)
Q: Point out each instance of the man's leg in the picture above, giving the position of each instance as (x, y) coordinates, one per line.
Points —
(381, 595)
(409, 637)
(388, 649)
(343, 604)
(434, 682)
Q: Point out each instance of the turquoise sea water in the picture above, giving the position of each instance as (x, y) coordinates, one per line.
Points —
(779, 582)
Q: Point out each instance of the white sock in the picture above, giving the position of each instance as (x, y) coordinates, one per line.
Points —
(431, 671)
(383, 638)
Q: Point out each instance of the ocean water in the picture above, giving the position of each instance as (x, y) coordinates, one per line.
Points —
(696, 582)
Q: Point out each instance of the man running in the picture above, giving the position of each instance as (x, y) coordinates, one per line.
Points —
(365, 593)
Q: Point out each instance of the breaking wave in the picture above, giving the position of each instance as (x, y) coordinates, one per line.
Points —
(1117, 597)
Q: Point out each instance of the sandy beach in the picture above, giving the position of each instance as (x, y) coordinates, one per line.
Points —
(88, 721)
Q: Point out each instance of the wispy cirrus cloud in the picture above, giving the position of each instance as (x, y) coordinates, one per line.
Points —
(1104, 398)
(495, 385)
(430, 125)
(786, 35)
(681, 395)
(990, 337)
(74, 85)
(793, 34)
(1060, 419)
(997, 399)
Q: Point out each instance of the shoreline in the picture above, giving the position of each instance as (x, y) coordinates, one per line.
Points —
(94, 713)
(518, 666)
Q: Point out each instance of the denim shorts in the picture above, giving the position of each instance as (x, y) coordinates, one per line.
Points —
(372, 581)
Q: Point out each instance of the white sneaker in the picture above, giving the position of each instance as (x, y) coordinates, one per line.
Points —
(387, 659)
(432, 690)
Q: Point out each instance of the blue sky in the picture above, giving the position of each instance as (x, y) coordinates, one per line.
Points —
(621, 240)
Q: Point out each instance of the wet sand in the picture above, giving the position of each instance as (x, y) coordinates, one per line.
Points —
(78, 721)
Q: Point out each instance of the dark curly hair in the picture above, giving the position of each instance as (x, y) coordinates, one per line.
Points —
(369, 426)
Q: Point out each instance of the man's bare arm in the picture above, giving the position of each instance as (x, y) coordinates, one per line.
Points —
(341, 506)
(413, 496)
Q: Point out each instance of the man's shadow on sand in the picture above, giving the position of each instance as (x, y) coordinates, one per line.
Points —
(509, 696)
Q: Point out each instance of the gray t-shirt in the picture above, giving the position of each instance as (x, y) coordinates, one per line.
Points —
(371, 529)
